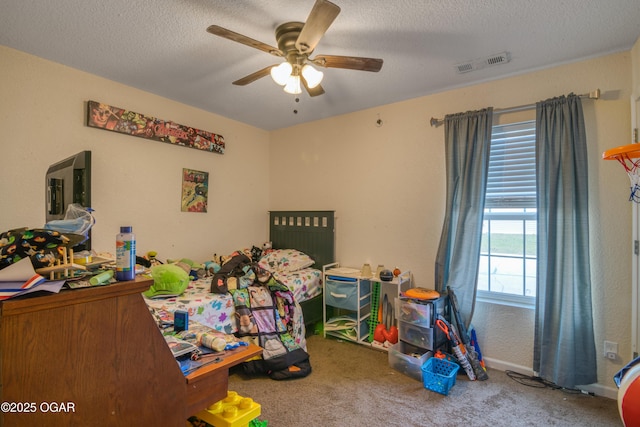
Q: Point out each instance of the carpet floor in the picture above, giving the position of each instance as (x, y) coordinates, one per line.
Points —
(353, 385)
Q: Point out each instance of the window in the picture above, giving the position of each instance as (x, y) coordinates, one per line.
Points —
(507, 272)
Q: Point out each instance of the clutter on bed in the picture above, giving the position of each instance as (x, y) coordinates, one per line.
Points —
(267, 315)
(291, 267)
(256, 294)
(193, 345)
(228, 276)
(249, 302)
(215, 311)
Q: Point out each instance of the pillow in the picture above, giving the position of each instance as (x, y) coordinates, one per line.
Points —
(285, 261)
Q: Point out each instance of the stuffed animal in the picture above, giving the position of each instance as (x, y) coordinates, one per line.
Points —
(168, 280)
(256, 254)
(152, 257)
(211, 268)
(194, 269)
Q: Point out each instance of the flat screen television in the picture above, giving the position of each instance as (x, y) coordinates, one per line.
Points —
(69, 181)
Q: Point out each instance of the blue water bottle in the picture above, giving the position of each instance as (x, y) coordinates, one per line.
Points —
(125, 255)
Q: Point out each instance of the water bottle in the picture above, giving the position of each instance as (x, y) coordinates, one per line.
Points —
(125, 255)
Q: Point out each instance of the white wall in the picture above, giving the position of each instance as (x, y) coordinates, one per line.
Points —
(136, 182)
(387, 185)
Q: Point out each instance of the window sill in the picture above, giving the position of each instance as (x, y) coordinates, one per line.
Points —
(506, 299)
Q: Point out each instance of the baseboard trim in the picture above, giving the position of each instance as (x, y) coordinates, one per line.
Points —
(597, 389)
(501, 365)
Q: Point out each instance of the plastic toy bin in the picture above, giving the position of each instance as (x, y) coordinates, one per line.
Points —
(439, 375)
(408, 359)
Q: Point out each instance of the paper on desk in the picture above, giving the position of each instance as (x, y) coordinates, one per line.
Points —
(20, 271)
(18, 278)
(52, 286)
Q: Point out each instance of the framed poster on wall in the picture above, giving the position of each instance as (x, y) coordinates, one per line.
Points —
(195, 190)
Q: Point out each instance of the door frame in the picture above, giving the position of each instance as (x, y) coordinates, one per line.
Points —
(635, 290)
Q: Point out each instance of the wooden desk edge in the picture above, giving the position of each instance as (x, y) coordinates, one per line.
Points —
(230, 359)
(44, 301)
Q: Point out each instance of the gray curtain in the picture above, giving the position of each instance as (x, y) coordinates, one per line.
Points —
(467, 145)
(564, 348)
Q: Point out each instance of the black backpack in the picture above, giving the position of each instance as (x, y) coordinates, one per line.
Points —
(292, 365)
(230, 270)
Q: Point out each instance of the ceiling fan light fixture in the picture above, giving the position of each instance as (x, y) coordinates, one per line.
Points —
(281, 73)
(293, 85)
(296, 42)
(312, 76)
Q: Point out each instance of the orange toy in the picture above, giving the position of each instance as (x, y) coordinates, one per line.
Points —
(422, 293)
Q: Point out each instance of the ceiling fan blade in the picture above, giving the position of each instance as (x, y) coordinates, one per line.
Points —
(318, 90)
(320, 18)
(254, 76)
(348, 62)
(231, 35)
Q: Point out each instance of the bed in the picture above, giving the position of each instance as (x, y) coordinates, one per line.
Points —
(311, 232)
(298, 238)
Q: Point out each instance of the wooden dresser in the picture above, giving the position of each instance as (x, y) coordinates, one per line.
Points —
(95, 356)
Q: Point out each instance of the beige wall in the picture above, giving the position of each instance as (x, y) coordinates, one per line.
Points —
(635, 66)
(385, 182)
(136, 182)
(387, 185)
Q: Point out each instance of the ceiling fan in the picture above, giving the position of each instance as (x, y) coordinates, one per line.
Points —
(296, 42)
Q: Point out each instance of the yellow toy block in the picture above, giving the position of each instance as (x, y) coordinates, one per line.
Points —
(232, 411)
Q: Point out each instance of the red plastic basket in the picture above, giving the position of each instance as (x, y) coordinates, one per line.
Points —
(439, 375)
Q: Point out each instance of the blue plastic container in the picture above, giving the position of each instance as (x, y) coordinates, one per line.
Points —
(439, 375)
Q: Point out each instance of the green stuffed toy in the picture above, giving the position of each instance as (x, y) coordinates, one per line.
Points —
(168, 280)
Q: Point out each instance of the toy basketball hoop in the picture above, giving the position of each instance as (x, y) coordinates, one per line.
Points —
(629, 157)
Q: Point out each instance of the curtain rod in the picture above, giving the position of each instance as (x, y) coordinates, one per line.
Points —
(591, 95)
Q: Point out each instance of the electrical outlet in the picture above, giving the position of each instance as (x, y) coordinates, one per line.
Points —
(610, 350)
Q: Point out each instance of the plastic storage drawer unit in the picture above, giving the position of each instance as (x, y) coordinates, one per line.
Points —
(416, 321)
(343, 293)
(416, 335)
(414, 312)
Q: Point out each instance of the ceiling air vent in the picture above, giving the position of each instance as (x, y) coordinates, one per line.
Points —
(480, 63)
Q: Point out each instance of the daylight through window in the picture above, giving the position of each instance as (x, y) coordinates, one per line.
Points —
(509, 234)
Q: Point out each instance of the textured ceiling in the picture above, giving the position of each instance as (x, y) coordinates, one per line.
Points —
(162, 46)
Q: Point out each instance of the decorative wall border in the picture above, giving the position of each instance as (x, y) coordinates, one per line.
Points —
(119, 120)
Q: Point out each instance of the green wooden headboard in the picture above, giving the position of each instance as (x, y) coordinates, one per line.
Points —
(312, 232)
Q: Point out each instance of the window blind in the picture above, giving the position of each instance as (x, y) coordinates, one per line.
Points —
(511, 180)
